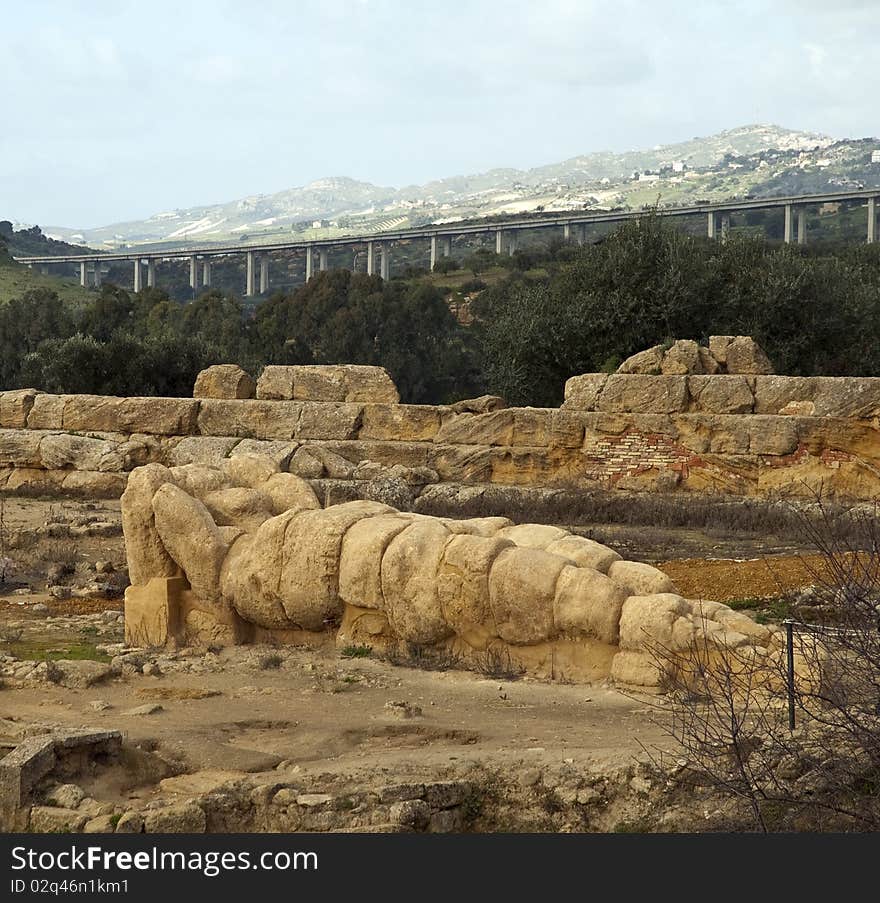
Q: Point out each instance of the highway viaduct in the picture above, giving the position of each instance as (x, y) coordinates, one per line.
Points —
(573, 226)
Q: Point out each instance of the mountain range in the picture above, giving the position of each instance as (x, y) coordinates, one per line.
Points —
(759, 160)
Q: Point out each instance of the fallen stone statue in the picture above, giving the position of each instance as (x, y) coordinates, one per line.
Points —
(240, 552)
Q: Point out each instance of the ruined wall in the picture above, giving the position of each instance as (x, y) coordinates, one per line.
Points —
(756, 436)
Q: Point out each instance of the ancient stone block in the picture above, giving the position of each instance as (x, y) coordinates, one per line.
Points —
(329, 421)
(401, 422)
(224, 381)
(152, 611)
(202, 450)
(721, 394)
(644, 394)
(248, 419)
(15, 406)
(333, 382)
(582, 392)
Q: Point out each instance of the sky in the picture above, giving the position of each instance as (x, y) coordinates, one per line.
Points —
(114, 111)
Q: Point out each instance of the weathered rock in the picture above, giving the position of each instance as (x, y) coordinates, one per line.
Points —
(585, 553)
(650, 619)
(463, 581)
(360, 565)
(15, 406)
(721, 394)
(334, 382)
(532, 536)
(181, 818)
(68, 796)
(522, 587)
(78, 674)
(239, 507)
(744, 355)
(309, 588)
(55, 820)
(188, 532)
(636, 669)
(130, 823)
(202, 450)
(145, 552)
(287, 491)
(224, 381)
(306, 463)
(401, 422)
(582, 392)
(644, 394)
(640, 579)
(482, 405)
(682, 357)
(250, 471)
(409, 582)
(587, 602)
(647, 362)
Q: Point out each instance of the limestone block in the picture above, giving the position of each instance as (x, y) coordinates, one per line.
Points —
(681, 358)
(92, 485)
(409, 582)
(155, 416)
(721, 394)
(152, 611)
(477, 526)
(582, 392)
(305, 463)
(202, 450)
(533, 536)
(276, 449)
(587, 602)
(644, 394)
(647, 620)
(825, 396)
(35, 481)
(15, 406)
(179, 818)
(224, 381)
(772, 435)
(461, 464)
(585, 553)
(522, 587)
(494, 428)
(334, 382)
(647, 362)
(144, 550)
(248, 419)
(199, 479)
(191, 538)
(47, 412)
(250, 471)
(286, 492)
(744, 355)
(329, 421)
(403, 422)
(21, 448)
(360, 564)
(239, 507)
(640, 579)
(463, 581)
(309, 588)
(64, 450)
(547, 427)
(635, 669)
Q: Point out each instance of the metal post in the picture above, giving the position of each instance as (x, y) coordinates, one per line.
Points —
(789, 662)
(788, 223)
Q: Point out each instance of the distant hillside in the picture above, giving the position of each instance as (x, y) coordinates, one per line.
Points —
(32, 242)
(759, 160)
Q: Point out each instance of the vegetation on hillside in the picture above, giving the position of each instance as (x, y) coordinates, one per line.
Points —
(550, 313)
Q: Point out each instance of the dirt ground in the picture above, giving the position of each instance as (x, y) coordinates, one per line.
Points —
(311, 712)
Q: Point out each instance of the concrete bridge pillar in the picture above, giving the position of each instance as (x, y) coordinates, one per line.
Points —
(323, 255)
(499, 241)
(193, 272)
(44, 268)
(96, 274)
(712, 224)
(206, 273)
(789, 217)
(566, 231)
(801, 225)
(385, 264)
(582, 234)
(872, 220)
(309, 262)
(433, 252)
(151, 273)
(511, 243)
(725, 226)
(264, 273)
(370, 258)
(446, 246)
(82, 274)
(249, 288)
(138, 276)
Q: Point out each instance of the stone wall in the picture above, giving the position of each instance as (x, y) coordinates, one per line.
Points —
(755, 436)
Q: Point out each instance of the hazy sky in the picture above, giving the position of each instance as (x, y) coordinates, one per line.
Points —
(117, 110)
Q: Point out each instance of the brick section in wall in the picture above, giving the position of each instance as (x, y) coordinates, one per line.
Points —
(612, 457)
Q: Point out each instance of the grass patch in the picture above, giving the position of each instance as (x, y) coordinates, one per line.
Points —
(768, 610)
(356, 651)
(50, 651)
